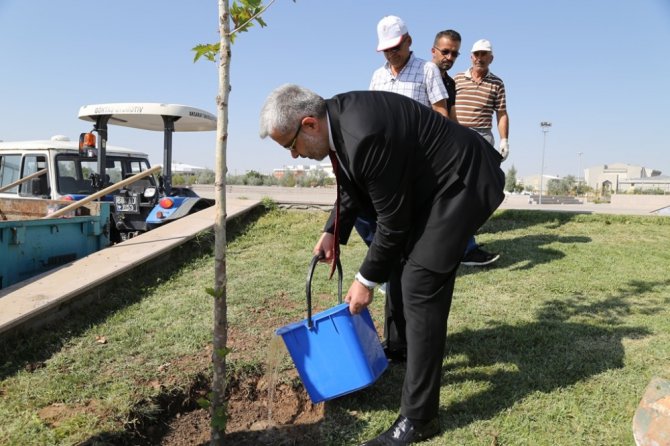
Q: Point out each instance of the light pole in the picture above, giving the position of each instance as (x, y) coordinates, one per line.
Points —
(579, 167)
(545, 128)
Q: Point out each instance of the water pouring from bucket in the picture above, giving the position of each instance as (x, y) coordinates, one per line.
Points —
(335, 352)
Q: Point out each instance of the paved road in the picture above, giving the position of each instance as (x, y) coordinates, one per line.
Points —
(642, 205)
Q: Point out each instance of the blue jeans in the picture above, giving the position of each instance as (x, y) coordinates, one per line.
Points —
(366, 228)
(472, 244)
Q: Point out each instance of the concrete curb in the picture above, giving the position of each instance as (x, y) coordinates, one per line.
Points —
(40, 299)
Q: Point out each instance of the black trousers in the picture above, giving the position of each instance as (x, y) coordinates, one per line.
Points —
(424, 297)
(394, 318)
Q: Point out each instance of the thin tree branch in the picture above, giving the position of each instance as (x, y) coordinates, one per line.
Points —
(251, 18)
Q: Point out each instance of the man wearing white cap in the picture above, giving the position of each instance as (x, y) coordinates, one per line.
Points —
(418, 79)
(479, 93)
(404, 73)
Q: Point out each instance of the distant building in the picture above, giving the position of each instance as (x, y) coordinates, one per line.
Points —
(658, 182)
(186, 169)
(301, 170)
(621, 178)
(532, 182)
(617, 178)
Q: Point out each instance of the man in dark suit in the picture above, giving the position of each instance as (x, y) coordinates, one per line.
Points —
(428, 182)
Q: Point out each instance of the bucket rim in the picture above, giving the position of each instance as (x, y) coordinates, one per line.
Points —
(339, 308)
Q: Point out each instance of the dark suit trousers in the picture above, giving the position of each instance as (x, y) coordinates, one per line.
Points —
(426, 296)
(394, 318)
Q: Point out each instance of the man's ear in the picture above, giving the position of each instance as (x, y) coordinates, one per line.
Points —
(310, 122)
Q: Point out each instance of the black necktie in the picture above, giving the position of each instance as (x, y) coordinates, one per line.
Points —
(336, 234)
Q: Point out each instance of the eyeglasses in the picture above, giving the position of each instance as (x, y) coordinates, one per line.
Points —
(291, 146)
(447, 52)
(396, 48)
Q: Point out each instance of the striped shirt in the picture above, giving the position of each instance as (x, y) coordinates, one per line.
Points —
(476, 102)
(419, 79)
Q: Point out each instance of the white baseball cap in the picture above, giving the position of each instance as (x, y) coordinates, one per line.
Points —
(390, 30)
(482, 45)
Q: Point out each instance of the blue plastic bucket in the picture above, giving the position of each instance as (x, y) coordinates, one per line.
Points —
(334, 351)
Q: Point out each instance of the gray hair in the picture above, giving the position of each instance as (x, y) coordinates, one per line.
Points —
(286, 106)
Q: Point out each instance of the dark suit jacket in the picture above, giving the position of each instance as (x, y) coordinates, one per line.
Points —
(429, 182)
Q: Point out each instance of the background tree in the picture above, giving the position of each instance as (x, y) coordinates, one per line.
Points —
(178, 179)
(563, 186)
(253, 178)
(510, 179)
(288, 180)
(582, 188)
(206, 176)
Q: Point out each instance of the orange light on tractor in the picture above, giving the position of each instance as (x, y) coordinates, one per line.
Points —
(68, 198)
(166, 203)
(86, 141)
(89, 140)
(87, 145)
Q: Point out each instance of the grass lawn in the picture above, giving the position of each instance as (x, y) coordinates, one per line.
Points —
(552, 346)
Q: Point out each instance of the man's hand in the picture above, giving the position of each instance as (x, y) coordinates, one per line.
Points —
(358, 297)
(504, 148)
(325, 246)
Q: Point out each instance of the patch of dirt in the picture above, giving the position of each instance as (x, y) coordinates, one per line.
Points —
(55, 414)
(260, 412)
(289, 419)
(255, 417)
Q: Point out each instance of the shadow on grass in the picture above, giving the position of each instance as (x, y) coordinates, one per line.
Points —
(546, 355)
(511, 219)
(30, 348)
(526, 252)
(516, 251)
(514, 361)
(299, 434)
(612, 310)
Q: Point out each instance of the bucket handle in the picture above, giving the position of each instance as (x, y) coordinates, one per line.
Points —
(308, 287)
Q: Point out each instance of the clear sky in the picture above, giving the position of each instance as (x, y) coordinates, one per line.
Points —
(596, 69)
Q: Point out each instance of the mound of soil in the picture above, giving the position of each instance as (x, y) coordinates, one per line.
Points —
(260, 412)
(288, 417)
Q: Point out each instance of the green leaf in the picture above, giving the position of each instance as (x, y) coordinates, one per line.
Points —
(208, 50)
(252, 4)
(214, 293)
(243, 13)
(219, 418)
(204, 403)
(222, 352)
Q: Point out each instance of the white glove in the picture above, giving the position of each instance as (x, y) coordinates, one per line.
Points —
(504, 148)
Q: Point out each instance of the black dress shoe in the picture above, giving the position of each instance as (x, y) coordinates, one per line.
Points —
(404, 432)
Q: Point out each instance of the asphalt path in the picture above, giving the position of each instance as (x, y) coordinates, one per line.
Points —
(325, 196)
